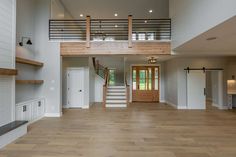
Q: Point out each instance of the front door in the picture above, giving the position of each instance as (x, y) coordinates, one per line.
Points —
(145, 83)
(75, 85)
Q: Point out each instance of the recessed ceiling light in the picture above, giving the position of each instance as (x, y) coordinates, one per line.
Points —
(81, 15)
(116, 26)
(150, 11)
(211, 38)
(145, 21)
(115, 14)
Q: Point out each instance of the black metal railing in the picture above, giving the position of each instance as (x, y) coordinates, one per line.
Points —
(109, 29)
(152, 29)
(67, 30)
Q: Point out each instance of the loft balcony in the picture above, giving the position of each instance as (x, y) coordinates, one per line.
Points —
(111, 36)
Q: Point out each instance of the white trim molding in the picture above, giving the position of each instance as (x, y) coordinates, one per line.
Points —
(171, 104)
(182, 108)
(224, 108)
(85, 107)
(53, 115)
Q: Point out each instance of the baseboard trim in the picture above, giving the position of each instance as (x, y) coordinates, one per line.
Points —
(162, 101)
(116, 106)
(85, 107)
(171, 104)
(182, 107)
(215, 105)
(52, 115)
(223, 107)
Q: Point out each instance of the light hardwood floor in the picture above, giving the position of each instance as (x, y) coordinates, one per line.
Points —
(142, 130)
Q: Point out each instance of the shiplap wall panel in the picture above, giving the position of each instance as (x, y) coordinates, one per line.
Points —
(6, 102)
(7, 56)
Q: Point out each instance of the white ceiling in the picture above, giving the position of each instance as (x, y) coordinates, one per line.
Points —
(107, 8)
(225, 44)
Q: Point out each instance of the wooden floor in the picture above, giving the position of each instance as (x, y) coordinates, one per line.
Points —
(142, 130)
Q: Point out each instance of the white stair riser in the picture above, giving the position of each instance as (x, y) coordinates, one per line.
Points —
(116, 101)
(116, 105)
(116, 87)
(116, 97)
(116, 94)
(116, 91)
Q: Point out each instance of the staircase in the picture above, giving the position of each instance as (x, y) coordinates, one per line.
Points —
(113, 96)
(116, 96)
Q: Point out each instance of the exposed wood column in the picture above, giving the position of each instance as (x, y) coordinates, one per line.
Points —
(88, 24)
(130, 30)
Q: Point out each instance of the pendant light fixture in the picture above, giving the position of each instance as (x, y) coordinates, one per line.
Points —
(152, 60)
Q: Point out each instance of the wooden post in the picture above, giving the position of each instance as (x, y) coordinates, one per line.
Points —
(88, 27)
(127, 94)
(130, 30)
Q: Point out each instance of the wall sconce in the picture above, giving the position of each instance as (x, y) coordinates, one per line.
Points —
(28, 41)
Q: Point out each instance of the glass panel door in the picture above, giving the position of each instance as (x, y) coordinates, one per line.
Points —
(145, 82)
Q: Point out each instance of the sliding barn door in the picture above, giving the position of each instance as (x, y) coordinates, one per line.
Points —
(196, 84)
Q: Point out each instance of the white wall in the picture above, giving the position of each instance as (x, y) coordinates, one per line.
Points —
(171, 84)
(7, 60)
(209, 87)
(98, 89)
(192, 62)
(191, 18)
(25, 27)
(49, 53)
(58, 10)
(114, 62)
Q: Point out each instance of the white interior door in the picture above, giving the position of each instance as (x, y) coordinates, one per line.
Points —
(196, 84)
(75, 87)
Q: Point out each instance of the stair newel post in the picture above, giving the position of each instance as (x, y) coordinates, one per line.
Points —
(106, 76)
(104, 96)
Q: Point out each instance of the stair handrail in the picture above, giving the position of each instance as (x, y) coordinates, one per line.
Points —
(99, 69)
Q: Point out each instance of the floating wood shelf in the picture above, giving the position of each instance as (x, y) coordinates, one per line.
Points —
(29, 81)
(28, 62)
(8, 72)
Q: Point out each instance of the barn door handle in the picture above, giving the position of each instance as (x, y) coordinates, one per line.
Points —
(205, 91)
